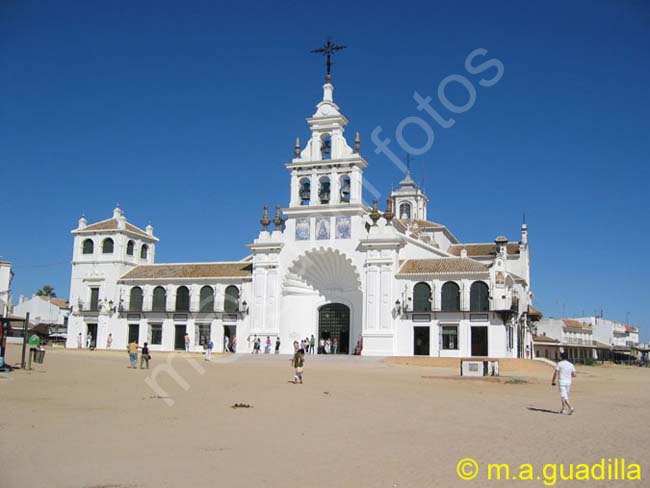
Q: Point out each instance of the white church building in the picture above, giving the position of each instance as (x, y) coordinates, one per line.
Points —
(391, 282)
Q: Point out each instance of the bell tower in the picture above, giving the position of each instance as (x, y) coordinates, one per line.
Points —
(327, 171)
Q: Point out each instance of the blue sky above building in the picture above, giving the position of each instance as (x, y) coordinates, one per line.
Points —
(184, 113)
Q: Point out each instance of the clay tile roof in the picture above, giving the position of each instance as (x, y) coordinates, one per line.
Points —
(442, 266)
(111, 224)
(188, 271)
(59, 302)
(482, 249)
(575, 324)
(422, 224)
(629, 328)
(545, 339)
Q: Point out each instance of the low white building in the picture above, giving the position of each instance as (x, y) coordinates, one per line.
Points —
(6, 276)
(43, 310)
(584, 338)
(620, 336)
(385, 282)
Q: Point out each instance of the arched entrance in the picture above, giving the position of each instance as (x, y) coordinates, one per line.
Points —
(334, 323)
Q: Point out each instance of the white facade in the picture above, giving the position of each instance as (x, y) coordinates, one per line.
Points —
(43, 310)
(6, 276)
(612, 332)
(326, 265)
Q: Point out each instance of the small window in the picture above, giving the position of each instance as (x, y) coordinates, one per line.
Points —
(450, 337)
(94, 299)
(405, 211)
(108, 246)
(207, 299)
(135, 299)
(183, 299)
(159, 303)
(144, 251)
(231, 300)
(156, 335)
(479, 297)
(345, 189)
(326, 147)
(88, 247)
(324, 190)
(129, 248)
(450, 297)
(305, 191)
(422, 297)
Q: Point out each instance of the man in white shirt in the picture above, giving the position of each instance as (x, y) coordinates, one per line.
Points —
(564, 372)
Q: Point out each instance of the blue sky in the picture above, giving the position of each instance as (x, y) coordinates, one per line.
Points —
(184, 113)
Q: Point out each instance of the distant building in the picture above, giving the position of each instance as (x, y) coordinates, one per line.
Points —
(6, 276)
(585, 338)
(44, 310)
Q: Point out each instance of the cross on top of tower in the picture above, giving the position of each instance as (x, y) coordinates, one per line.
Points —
(327, 50)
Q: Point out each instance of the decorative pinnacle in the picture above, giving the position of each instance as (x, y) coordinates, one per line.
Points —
(375, 215)
(278, 221)
(296, 149)
(357, 143)
(388, 214)
(265, 221)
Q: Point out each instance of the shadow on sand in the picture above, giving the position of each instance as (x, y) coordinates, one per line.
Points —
(543, 410)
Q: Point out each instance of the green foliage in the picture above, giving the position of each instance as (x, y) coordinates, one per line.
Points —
(46, 291)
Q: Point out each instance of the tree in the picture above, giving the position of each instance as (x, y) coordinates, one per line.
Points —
(46, 291)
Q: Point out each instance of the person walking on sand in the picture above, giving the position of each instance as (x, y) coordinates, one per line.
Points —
(208, 351)
(79, 341)
(89, 340)
(109, 341)
(133, 353)
(564, 373)
(312, 344)
(267, 348)
(298, 363)
(335, 345)
(226, 344)
(233, 344)
(277, 345)
(187, 342)
(144, 356)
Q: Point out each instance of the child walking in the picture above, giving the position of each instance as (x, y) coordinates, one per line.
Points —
(298, 362)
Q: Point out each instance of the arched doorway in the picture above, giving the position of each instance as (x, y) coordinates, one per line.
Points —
(334, 323)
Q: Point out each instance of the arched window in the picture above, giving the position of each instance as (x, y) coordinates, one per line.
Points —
(326, 146)
(345, 189)
(135, 299)
(108, 246)
(144, 251)
(479, 297)
(405, 211)
(182, 299)
(450, 297)
(231, 300)
(422, 297)
(324, 190)
(129, 248)
(159, 303)
(305, 191)
(88, 247)
(207, 299)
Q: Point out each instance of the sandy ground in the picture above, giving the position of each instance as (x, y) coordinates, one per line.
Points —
(83, 419)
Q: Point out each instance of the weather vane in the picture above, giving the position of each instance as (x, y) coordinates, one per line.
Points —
(328, 49)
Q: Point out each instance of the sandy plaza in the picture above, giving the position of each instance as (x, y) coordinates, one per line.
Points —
(85, 420)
